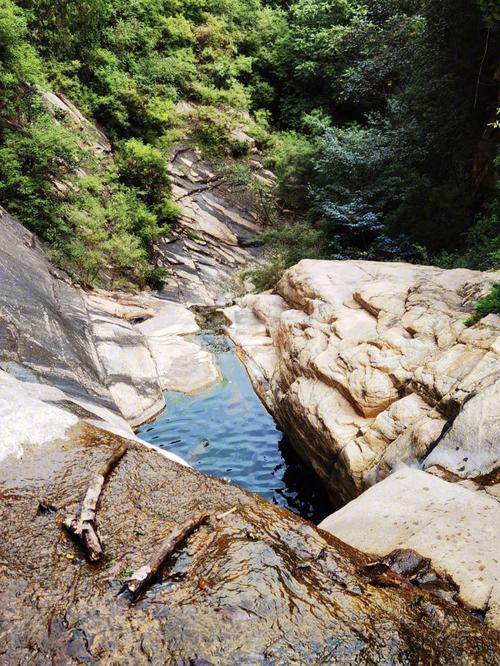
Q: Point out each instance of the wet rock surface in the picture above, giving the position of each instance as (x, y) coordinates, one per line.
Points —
(257, 586)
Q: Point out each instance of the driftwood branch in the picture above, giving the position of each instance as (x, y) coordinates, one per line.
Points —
(209, 184)
(83, 523)
(142, 576)
(221, 516)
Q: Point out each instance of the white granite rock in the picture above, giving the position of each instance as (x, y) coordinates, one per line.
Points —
(25, 421)
(381, 347)
(455, 526)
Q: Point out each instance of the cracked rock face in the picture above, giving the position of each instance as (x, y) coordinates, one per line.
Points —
(369, 368)
(256, 585)
(210, 246)
(364, 363)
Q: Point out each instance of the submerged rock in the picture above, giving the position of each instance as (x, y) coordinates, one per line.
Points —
(256, 585)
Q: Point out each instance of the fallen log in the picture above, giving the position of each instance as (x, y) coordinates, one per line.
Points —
(83, 523)
(141, 577)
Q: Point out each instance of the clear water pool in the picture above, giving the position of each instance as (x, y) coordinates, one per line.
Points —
(227, 432)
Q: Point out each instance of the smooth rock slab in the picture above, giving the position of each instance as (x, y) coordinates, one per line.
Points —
(171, 319)
(259, 586)
(42, 424)
(182, 365)
(454, 526)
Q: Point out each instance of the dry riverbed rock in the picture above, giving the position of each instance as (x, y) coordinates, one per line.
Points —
(364, 364)
(255, 586)
(454, 525)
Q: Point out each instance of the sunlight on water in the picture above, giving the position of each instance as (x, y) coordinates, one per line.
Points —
(244, 444)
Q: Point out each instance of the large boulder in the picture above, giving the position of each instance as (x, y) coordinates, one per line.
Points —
(455, 526)
(364, 364)
(256, 585)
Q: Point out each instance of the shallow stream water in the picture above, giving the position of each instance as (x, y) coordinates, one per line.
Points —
(227, 432)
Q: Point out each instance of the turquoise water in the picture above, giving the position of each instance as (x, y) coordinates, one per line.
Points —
(244, 444)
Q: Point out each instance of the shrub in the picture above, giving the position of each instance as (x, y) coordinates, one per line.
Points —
(292, 158)
(33, 163)
(266, 274)
(489, 304)
(144, 167)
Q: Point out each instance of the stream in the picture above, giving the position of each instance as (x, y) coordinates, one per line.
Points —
(227, 432)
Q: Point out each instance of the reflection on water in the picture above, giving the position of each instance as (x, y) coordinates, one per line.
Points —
(227, 432)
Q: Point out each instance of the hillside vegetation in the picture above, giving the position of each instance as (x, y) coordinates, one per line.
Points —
(378, 119)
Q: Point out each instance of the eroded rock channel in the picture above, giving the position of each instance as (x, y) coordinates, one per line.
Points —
(225, 430)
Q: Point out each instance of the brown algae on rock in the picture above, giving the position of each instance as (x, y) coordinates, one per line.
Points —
(280, 591)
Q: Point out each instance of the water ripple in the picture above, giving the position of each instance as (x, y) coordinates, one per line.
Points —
(244, 444)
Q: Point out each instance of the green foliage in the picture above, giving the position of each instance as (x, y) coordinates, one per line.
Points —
(20, 67)
(32, 163)
(65, 27)
(482, 243)
(144, 167)
(489, 304)
(380, 168)
(292, 159)
(266, 274)
(293, 241)
(288, 243)
(366, 114)
(490, 10)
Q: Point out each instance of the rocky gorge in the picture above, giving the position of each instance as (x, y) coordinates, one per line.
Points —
(367, 367)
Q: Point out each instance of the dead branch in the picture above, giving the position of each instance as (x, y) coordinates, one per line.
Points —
(209, 184)
(221, 516)
(142, 576)
(83, 523)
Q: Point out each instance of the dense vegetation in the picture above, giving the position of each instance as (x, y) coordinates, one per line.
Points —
(377, 117)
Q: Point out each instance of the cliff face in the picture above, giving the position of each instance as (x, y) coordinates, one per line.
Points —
(212, 241)
(369, 367)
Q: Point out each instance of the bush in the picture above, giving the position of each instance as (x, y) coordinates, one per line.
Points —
(34, 162)
(144, 167)
(156, 277)
(294, 241)
(292, 158)
(213, 133)
(482, 243)
(267, 273)
(489, 304)
(288, 243)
